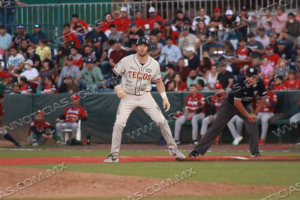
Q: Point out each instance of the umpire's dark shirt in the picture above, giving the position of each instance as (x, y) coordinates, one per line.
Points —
(242, 91)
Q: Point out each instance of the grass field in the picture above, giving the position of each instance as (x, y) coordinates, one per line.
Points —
(240, 173)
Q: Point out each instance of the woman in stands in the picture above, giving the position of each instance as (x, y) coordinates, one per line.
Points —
(60, 59)
(266, 69)
(168, 32)
(202, 31)
(211, 77)
(282, 69)
(228, 24)
(229, 55)
(180, 86)
(43, 50)
(170, 86)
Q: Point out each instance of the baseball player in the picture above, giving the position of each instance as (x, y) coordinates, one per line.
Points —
(215, 103)
(194, 111)
(71, 115)
(40, 131)
(3, 131)
(238, 102)
(138, 71)
(236, 132)
(267, 111)
(295, 119)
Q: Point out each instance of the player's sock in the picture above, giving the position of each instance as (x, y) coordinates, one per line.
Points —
(9, 138)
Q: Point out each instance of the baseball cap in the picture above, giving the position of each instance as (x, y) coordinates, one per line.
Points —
(251, 35)
(151, 9)
(29, 62)
(40, 112)
(118, 40)
(190, 49)
(159, 23)
(222, 63)
(98, 25)
(37, 26)
(20, 26)
(15, 84)
(24, 79)
(112, 26)
(281, 42)
(70, 57)
(132, 24)
(75, 97)
(95, 40)
(217, 10)
(184, 28)
(229, 12)
(273, 35)
(68, 76)
(269, 47)
(8, 74)
(123, 9)
(72, 43)
(244, 8)
(167, 24)
(242, 39)
(251, 71)
(218, 86)
(89, 60)
(261, 28)
(61, 49)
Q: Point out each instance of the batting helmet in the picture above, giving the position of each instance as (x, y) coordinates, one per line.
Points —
(144, 40)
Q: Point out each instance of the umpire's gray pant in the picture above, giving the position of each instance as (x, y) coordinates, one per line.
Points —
(226, 112)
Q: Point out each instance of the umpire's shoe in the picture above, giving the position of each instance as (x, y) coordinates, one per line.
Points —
(176, 153)
(112, 158)
(194, 154)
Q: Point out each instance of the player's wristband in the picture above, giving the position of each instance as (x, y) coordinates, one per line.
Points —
(163, 95)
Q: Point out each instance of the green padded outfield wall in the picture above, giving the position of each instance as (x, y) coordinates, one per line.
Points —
(102, 108)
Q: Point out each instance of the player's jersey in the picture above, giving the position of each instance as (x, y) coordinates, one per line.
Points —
(271, 97)
(280, 87)
(216, 101)
(193, 102)
(49, 89)
(26, 89)
(2, 110)
(40, 126)
(74, 112)
(137, 78)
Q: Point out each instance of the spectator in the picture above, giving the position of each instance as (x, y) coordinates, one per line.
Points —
(180, 20)
(18, 36)
(71, 70)
(193, 59)
(170, 73)
(282, 69)
(71, 115)
(23, 48)
(117, 54)
(30, 72)
(266, 112)
(96, 33)
(205, 64)
(88, 53)
(100, 54)
(5, 38)
(170, 86)
(49, 86)
(105, 26)
(211, 77)
(25, 87)
(60, 60)
(266, 21)
(216, 101)
(225, 77)
(278, 83)
(263, 38)
(15, 60)
(188, 40)
(8, 82)
(266, 68)
(156, 28)
(202, 16)
(279, 21)
(273, 58)
(243, 54)
(123, 22)
(47, 71)
(43, 50)
(273, 41)
(180, 86)
(201, 86)
(77, 57)
(215, 22)
(228, 24)
(291, 83)
(172, 52)
(139, 20)
(153, 17)
(34, 57)
(202, 31)
(114, 34)
(134, 34)
(180, 68)
(193, 78)
(230, 55)
(72, 87)
(159, 38)
(257, 49)
(283, 51)
(156, 47)
(168, 32)
(69, 36)
(132, 50)
(37, 35)
(15, 89)
(79, 27)
(243, 19)
(91, 75)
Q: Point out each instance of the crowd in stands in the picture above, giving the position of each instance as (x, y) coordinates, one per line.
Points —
(184, 47)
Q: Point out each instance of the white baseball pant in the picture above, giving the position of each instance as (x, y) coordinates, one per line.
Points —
(205, 122)
(264, 116)
(236, 132)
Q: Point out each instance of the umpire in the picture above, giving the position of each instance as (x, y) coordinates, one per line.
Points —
(238, 102)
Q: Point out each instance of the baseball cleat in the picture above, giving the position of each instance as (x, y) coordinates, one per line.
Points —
(177, 142)
(195, 142)
(60, 142)
(237, 141)
(176, 153)
(35, 144)
(112, 158)
(194, 154)
(261, 141)
(17, 144)
(256, 155)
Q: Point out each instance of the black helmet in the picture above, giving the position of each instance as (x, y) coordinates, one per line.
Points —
(144, 40)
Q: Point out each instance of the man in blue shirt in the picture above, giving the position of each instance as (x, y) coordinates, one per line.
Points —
(97, 33)
(37, 35)
(5, 38)
(173, 52)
